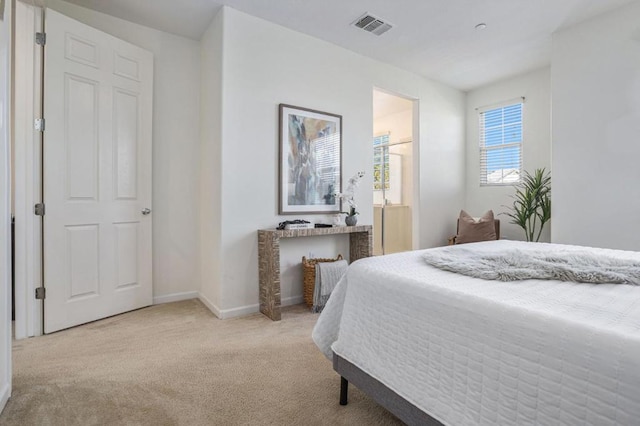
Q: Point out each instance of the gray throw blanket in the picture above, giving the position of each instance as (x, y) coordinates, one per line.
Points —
(327, 276)
(514, 265)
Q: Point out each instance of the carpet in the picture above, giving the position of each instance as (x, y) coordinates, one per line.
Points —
(177, 364)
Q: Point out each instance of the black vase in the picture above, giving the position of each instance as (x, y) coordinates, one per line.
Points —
(351, 220)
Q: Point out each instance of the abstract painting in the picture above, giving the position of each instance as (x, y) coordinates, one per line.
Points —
(310, 161)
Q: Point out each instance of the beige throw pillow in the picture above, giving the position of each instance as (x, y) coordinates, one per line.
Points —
(472, 231)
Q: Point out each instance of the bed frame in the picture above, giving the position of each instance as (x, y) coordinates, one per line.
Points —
(400, 407)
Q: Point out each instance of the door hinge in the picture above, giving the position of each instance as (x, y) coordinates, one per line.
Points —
(39, 209)
(39, 124)
(41, 293)
(41, 38)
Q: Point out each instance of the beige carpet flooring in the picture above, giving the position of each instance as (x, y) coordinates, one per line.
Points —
(177, 364)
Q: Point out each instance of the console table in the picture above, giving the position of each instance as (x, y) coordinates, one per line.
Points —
(360, 245)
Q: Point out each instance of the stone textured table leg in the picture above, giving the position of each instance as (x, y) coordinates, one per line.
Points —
(269, 274)
(360, 245)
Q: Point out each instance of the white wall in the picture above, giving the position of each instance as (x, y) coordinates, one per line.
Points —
(264, 65)
(536, 88)
(176, 148)
(596, 131)
(5, 216)
(211, 163)
(398, 123)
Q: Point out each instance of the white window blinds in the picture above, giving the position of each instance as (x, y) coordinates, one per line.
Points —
(501, 144)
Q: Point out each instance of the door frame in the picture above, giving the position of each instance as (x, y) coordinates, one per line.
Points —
(6, 128)
(416, 171)
(417, 202)
(28, 172)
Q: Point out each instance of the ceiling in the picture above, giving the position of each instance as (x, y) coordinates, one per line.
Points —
(434, 38)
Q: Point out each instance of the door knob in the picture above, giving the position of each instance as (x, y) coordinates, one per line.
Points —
(146, 211)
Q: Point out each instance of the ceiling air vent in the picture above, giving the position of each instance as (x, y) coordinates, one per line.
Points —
(372, 24)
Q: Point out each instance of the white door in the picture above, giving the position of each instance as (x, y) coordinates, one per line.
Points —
(97, 174)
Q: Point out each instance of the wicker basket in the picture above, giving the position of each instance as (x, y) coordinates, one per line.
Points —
(309, 276)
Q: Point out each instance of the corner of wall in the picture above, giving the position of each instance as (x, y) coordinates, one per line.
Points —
(535, 86)
(211, 77)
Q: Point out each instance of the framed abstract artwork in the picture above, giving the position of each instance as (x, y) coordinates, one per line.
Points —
(310, 161)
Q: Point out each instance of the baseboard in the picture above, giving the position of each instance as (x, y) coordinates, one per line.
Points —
(4, 396)
(175, 297)
(295, 300)
(240, 311)
(245, 310)
(209, 304)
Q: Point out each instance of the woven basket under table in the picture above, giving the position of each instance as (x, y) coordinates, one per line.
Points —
(309, 276)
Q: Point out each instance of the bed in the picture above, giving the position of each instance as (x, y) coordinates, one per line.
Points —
(436, 347)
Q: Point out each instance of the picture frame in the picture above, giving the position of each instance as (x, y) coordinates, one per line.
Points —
(310, 161)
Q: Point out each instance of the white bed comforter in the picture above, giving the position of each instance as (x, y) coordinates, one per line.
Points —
(469, 351)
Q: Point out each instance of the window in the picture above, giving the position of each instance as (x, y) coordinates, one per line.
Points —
(380, 162)
(501, 144)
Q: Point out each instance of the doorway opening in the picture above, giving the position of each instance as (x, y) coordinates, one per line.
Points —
(393, 173)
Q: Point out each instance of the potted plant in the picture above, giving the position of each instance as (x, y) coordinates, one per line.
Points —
(531, 208)
(348, 195)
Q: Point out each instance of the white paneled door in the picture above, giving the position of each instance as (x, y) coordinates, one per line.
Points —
(97, 174)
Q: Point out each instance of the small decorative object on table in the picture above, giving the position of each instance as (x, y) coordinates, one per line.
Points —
(295, 224)
(348, 196)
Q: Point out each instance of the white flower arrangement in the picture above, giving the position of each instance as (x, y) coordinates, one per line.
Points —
(348, 194)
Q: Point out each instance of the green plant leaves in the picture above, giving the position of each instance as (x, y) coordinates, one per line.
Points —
(531, 208)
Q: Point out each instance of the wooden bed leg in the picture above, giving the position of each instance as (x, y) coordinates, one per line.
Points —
(344, 390)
